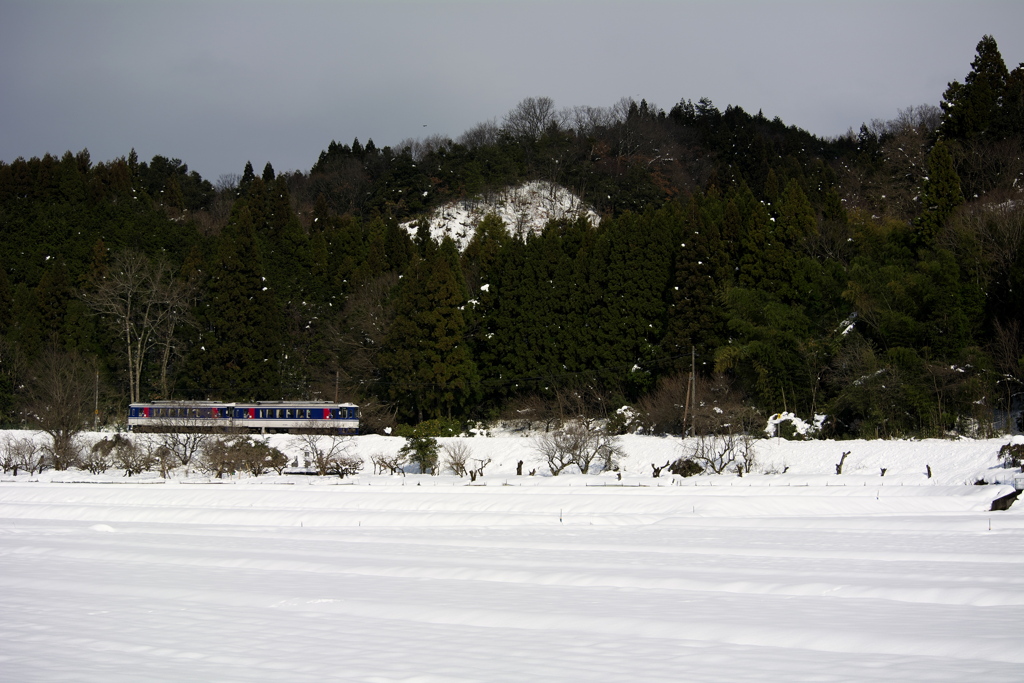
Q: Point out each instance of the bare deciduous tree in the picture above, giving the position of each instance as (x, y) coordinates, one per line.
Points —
(329, 454)
(145, 303)
(577, 443)
(21, 454)
(97, 459)
(720, 452)
(530, 118)
(131, 458)
(184, 439)
(456, 457)
(481, 135)
(394, 463)
(60, 397)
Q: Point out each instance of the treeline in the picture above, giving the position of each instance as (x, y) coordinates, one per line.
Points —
(876, 277)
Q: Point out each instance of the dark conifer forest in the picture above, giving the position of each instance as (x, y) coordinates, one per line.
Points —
(876, 278)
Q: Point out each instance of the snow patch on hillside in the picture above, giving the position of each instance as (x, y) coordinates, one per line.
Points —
(525, 209)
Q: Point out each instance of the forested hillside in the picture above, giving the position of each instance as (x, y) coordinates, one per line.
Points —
(876, 278)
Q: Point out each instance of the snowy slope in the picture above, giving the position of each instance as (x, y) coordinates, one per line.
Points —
(524, 209)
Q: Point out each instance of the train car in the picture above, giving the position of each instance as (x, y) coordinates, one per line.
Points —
(262, 417)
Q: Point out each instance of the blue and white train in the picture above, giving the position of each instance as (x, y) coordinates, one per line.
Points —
(262, 417)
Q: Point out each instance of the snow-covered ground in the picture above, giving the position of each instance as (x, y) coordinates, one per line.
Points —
(525, 209)
(801, 576)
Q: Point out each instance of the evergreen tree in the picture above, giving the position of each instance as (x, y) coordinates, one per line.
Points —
(971, 108)
(248, 175)
(239, 345)
(941, 193)
(481, 254)
(623, 309)
(426, 364)
(700, 271)
(6, 301)
(1010, 122)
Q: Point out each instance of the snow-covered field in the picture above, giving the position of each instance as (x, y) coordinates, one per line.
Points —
(802, 576)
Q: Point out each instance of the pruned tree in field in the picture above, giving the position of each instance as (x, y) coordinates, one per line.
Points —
(187, 440)
(477, 470)
(581, 443)
(456, 455)
(21, 454)
(130, 457)
(60, 394)
(228, 455)
(259, 457)
(329, 454)
(97, 459)
(720, 452)
(393, 463)
(218, 458)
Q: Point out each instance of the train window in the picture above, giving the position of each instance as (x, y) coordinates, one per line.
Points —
(288, 413)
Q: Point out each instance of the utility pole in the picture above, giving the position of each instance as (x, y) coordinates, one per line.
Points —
(691, 394)
(693, 384)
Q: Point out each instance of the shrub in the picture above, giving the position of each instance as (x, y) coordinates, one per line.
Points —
(1012, 455)
(685, 467)
(431, 428)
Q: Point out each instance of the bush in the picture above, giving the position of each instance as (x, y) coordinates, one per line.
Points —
(685, 467)
(431, 428)
(1012, 455)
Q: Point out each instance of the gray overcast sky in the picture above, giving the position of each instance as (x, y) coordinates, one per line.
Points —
(219, 82)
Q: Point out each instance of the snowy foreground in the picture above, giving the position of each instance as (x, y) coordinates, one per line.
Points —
(803, 576)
